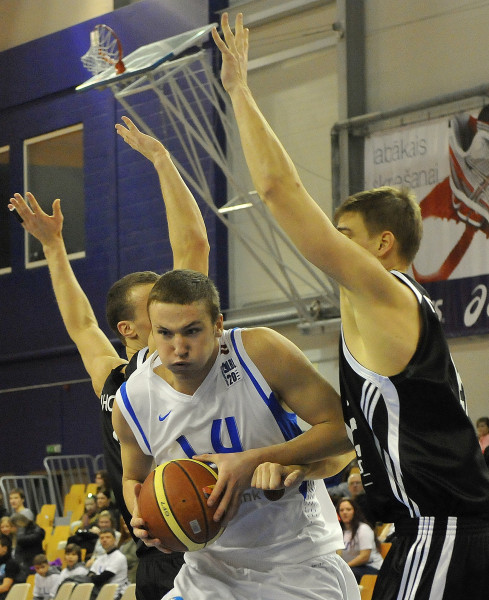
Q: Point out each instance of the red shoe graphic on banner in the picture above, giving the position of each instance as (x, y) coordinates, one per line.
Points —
(464, 195)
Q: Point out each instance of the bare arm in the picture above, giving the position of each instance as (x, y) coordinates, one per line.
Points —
(188, 235)
(96, 351)
(136, 466)
(299, 387)
(376, 308)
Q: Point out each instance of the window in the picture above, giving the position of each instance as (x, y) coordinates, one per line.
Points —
(5, 220)
(53, 168)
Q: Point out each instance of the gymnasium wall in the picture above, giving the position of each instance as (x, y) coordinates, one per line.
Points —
(122, 200)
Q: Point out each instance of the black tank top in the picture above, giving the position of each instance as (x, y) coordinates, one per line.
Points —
(417, 449)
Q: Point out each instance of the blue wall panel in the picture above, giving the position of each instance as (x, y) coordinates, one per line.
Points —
(125, 227)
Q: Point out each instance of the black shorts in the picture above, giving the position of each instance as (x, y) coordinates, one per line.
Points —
(156, 572)
(442, 558)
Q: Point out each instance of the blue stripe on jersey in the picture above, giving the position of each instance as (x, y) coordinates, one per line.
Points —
(286, 421)
(130, 410)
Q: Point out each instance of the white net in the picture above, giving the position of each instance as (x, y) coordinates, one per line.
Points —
(103, 51)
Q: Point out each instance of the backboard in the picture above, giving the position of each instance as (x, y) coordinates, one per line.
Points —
(149, 57)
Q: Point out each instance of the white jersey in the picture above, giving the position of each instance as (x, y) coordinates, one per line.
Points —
(233, 410)
(115, 562)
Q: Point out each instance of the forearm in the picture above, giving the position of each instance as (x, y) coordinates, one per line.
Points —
(186, 227)
(271, 168)
(75, 309)
(322, 448)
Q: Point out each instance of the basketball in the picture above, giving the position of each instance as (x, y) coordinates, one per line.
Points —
(173, 504)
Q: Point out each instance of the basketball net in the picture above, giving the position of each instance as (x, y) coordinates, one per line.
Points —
(105, 50)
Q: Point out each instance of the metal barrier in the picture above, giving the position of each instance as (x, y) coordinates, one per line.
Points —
(99, 462)
(38, 490)
(64, 471)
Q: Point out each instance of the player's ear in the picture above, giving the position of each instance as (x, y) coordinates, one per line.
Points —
(126, 329)
(386, 243)
(219, 326)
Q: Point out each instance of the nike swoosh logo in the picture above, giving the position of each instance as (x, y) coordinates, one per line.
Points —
(163, 418)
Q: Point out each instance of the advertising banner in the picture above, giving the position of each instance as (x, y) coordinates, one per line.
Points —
(445, 163)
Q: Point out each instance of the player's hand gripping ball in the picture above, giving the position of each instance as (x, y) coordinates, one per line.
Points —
(173, 504)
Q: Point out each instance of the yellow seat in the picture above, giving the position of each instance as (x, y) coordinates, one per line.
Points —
(18, 591)
(367, 585)
(129, 592)
(45, 517)
(91, 489)
(107, 591)
(384, 548)
(61, 533)
(82, 591)
(30, 581)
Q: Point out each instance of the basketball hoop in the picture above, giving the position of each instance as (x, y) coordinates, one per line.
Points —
(105, 49)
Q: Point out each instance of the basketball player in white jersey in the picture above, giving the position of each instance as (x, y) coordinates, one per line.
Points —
(208, 390)
(127, 316)
(403, 400)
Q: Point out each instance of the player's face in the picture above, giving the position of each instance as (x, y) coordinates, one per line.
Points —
(346, 512)
(353, 226)
(139, 299)
(185, 336)
(71, 559)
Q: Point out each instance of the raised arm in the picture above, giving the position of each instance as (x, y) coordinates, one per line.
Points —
(277, 181)
(96, 351)
(187, 232)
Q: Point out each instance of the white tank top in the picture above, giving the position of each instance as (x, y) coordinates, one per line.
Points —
(234, 409)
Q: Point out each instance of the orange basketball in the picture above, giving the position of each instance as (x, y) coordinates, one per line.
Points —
(173, 504)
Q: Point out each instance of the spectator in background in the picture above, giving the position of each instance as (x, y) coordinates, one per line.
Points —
(111, 567)
(90, 516)
(6, 528)
(361, 552)
(29, 537)
(483, 432)
(3, 508)
(17, 503)
(102, 481)
(46, 580)
(356, 492)
(10, 571)
(105, 503)
(75, 567)
(128, 547)
(105, 521)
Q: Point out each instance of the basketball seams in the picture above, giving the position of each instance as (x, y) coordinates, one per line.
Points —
(198, 494)
(169, 518)
(174, 536)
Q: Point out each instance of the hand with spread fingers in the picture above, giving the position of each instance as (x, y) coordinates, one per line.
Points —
(234, 51)
(46, 228)
(147, 145)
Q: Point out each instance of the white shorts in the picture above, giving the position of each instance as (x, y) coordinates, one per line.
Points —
(325, 578)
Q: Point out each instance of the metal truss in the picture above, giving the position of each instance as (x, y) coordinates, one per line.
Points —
(196, 110)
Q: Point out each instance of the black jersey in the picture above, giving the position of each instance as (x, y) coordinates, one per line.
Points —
(112, 449)
(417, 449)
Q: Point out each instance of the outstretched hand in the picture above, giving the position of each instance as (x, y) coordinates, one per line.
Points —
(46, 228)
(139, 526)
(234, 51)
(147, 145)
